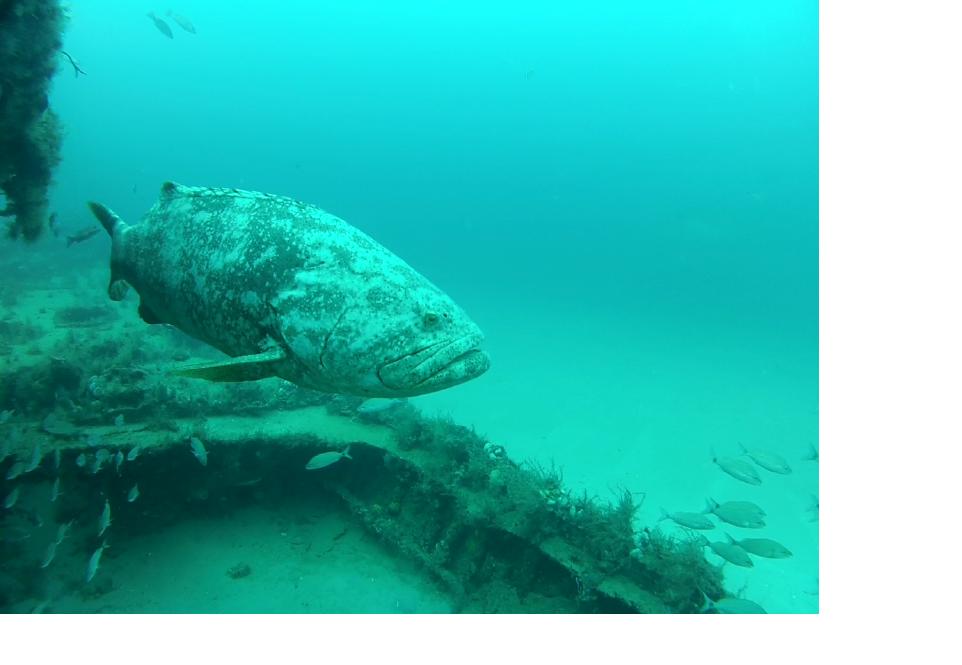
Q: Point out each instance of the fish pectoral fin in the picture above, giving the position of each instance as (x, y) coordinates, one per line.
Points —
(243, 368)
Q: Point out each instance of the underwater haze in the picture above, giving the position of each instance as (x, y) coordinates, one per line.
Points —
(622, 195)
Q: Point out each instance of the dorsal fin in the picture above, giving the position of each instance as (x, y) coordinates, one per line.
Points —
(169, 188)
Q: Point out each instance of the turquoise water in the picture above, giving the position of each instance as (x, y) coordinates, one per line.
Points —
(623, 195)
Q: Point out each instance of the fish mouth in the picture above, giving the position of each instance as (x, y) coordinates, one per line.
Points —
(435, 367)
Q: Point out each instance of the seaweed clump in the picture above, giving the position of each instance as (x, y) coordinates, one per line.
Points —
(30, 132)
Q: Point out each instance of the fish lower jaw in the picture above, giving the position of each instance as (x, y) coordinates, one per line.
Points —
(467, 365)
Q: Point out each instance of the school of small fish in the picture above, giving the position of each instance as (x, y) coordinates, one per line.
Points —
(742, 514)
(91, 462)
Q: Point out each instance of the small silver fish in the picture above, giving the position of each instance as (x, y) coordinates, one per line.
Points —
(56, 459)
(15, 470)
(768, 460)
(94, 562)
(197, 447)
(689, 520)
(118, 461)
(183, 22)
(738, 469)
(103, 455)
(133, 453)
(733, 606)
(378, 405)
(763, 547)
(327, 459)
(55, 489)
(161, 25)
(119, 421)
(744, 514)
(732, 553)
(11, 499)
(97, 465)
(82, 460)
(62, 531)
(133, 494)
(51, 553)
(35, 459)
(813, 508)
(104, 518)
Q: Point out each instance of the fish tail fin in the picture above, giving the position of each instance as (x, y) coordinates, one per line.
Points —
(110, 220)
(710, 505)
(114, 226)
(664, 515)
(347, 453)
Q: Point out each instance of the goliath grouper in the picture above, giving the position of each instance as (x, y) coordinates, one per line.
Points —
(289, 290)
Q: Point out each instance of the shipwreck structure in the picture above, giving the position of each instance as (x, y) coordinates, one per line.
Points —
(30, 133)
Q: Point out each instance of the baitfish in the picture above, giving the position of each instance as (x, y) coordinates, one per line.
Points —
(104, 518)
(377, 406)
(15, 470)
(767, 460)
(200, 452)
(732, 606)
(327, 459)
(291, 291)
(133, 453)
(764, 547)
(182, 21)
(732, 553)
(689, 520)
(738, 469)
(94, 564)
(62, 531)
(81, 235)
(11, 499)
(161, 25)
(35, 459)
(55, 492)
(133, 494)
(738, 513)
(812, 508)
(51, 553)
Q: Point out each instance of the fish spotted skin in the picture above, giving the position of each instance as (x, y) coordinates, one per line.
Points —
(289, 290)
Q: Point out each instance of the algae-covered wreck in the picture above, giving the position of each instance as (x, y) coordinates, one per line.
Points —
(493, 535)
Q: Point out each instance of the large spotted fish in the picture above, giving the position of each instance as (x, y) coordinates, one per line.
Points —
(289, 290)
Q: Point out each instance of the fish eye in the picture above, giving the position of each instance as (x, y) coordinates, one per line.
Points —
(431, 319)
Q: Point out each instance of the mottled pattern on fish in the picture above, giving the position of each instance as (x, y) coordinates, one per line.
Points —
(250, 273)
